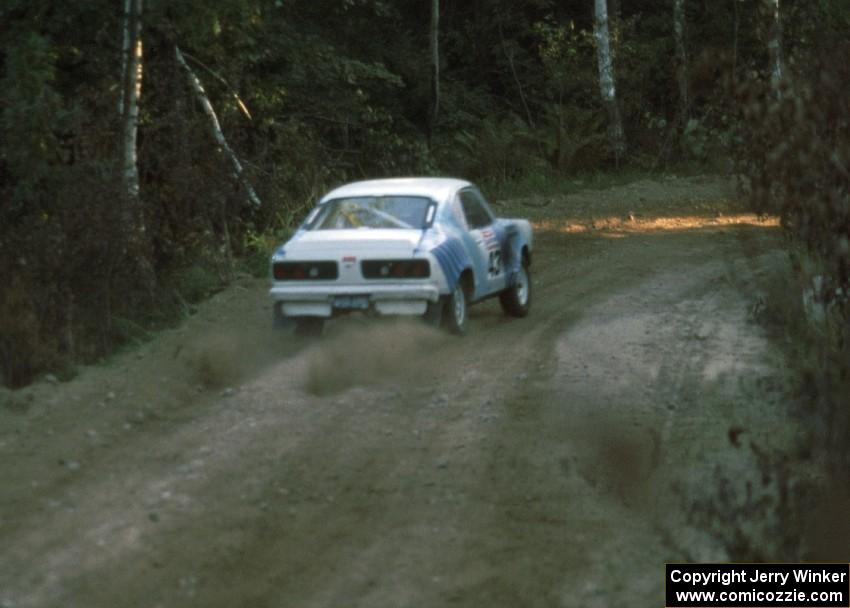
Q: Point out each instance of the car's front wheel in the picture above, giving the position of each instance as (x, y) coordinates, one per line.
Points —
(309, 326)
(455, 313)
(516, 299)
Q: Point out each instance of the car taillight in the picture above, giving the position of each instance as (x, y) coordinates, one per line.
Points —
(395, 269)
(305, 271)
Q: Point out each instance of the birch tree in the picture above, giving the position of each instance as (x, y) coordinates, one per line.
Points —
(134, 240)
(435, 66)
(129, 105)
(681, 58)
(607, 83)
(218, 134)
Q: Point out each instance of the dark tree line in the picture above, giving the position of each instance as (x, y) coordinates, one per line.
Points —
(144, 144)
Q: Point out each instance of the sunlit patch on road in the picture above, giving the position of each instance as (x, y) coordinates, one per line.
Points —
(615, 226)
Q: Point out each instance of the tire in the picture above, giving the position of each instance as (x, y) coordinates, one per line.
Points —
(456, 310)
(516, 299)
(309, 327)
(433, 316)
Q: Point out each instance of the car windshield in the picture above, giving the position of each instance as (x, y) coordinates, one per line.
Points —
(373, 212)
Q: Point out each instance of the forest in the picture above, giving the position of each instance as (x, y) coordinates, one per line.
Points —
(151, 149)
(678, 393)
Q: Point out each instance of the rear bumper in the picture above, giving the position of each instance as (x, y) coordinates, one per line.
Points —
(322, 300)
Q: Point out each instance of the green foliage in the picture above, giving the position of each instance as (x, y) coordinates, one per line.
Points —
(196, 283)
(837, 14)
(258, 246)
(31, 112)
(126, 330)
(796, 159)
(501, 149)
(794, 154)
(706, 140)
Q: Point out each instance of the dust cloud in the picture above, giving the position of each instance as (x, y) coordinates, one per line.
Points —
(229, 356)
(372, 353)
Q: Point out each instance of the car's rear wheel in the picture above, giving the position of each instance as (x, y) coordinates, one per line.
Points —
(309, 326)
(434, 313)
(516, 299)
(455, 312)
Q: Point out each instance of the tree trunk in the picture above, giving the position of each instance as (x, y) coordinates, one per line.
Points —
(607, 83)
(435, 67)
(200, 93)
(131, 94)
(134, 243)
(774, 43)
(681, 58)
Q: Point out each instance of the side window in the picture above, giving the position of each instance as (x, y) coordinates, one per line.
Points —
(457, 212)
(477, 215)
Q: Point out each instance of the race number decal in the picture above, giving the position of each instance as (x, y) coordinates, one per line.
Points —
(494, 252)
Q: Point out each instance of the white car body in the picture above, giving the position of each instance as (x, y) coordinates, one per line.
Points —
(333, 264)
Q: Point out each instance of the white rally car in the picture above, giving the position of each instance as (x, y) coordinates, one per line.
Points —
(403, 246)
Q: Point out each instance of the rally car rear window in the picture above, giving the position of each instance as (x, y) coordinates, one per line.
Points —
(406, 212)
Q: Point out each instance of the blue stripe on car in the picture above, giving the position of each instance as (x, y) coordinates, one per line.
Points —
(453, 260)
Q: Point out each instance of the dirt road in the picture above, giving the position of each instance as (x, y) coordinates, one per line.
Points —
(550, 461)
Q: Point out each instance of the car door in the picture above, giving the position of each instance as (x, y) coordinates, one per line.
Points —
(484, 243)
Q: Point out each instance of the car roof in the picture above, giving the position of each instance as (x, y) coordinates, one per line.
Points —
(437, 188)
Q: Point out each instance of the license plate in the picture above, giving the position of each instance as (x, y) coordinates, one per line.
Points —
(351, 302)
